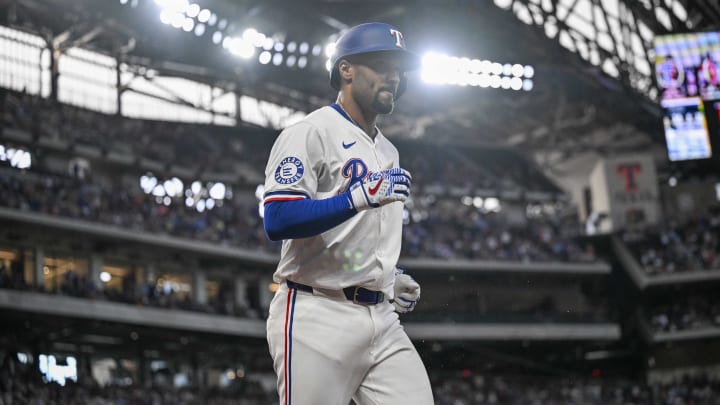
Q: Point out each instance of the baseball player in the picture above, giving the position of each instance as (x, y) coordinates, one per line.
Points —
(334, 193)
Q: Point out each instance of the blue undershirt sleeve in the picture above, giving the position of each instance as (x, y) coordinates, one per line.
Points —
(304, 218)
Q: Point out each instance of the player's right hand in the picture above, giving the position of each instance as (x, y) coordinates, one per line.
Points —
(381, 188)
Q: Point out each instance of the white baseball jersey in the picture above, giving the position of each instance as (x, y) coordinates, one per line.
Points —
(320, 157)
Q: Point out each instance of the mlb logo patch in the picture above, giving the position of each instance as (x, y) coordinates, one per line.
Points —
(289, 171)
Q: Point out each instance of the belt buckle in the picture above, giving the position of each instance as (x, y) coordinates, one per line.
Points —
(355, 298)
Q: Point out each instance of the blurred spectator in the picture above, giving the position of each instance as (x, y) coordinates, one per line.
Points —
(691, 246)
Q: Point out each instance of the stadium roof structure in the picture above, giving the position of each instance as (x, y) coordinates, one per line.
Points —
(593, 87)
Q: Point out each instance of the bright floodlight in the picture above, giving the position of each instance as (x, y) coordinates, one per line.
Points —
(123, 1)
(147, 183)
(291, 46)
(105, 277)
(527, 84)
(505, 82)
(317, 48)
(192, 10)
(199, 29)
(328, 65)
(251, 35)
(204, 15)
(277, 59)
(158, 191)
(304, 47)
(241, 48)
(217, 37)
(177, 20)
(166, 17)
(516, 83)
(529, 71)
(517, 70)
(265, 57)
(178, 6)
(177, 186)
(188, 25)
(217, 191)
(268, 44)
(329, 49)
(291, 60)
(302, 62)
(279, 46)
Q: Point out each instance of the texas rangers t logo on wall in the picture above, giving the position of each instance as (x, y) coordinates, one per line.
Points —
(290, 170)
(398, 38)
(629, 170)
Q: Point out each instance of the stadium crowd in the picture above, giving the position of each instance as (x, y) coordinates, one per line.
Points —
(690, 246)
(23, 385)
(205, 147)
(464, 232)
(522, 390)
(460, 233)
(145, 294)
(686, 312)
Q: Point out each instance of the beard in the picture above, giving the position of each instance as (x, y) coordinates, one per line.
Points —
(383, 107)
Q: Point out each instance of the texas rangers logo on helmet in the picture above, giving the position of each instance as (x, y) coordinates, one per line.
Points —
(289, 171)
(398, 38)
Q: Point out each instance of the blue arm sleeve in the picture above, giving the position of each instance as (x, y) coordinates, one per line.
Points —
(304, 218)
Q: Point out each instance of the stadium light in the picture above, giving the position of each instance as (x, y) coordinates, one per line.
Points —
(177, 20)
(217, 191)
(529, 71)
(178, 6)
(264, 57)
(188, 24)
(251, 35)
(217, 37)
(268, 44)
(329, 49)
(17, 158)
(438, 68)
(166, 17)
(192, 10)
(302, 62)
(199, 29)
(240, 47)
(277, 59)
(204, 15)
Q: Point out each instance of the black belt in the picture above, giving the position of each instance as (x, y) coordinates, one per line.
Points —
(358, 295)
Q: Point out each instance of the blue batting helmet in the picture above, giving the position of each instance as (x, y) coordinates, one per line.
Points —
(368, 38)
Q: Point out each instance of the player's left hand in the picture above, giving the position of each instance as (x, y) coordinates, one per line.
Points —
(407, 293)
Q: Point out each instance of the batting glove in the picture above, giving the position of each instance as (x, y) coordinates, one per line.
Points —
(407, 293)
(381, 188)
